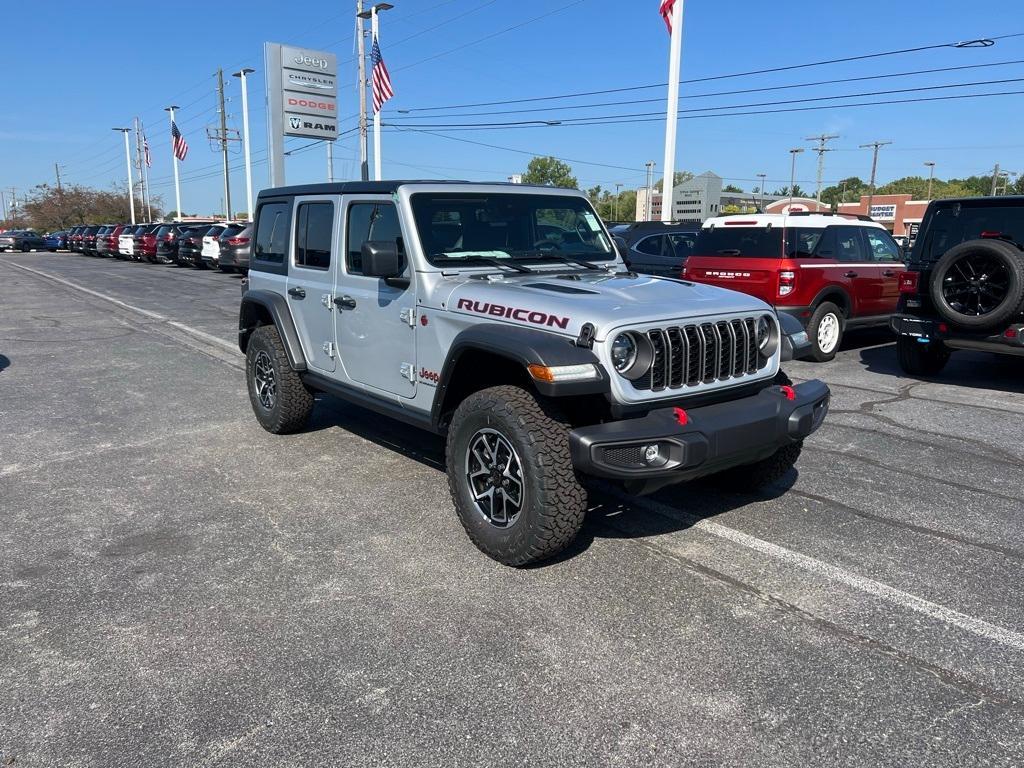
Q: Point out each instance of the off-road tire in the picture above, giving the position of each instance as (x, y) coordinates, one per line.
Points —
(1008, 256)
(821, 311)
(919, 359)
(554, 502)
(293, 403)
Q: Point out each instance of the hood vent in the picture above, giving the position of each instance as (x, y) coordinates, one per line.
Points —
(559, 288)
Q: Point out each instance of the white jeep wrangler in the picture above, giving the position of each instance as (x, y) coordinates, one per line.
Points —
(503, 317)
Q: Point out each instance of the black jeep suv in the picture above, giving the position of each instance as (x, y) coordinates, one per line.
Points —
(964, 284)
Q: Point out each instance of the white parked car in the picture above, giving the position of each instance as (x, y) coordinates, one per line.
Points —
(126, 242)
(211, 245)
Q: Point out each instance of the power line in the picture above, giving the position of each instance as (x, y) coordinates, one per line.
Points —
(661, 99)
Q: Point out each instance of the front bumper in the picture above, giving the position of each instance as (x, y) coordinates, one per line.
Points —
(714, 437)
(926, 331)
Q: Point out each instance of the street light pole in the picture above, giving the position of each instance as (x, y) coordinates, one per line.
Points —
(792, 172)
(931, 175)
(128, 161)
(648, 203)
(762, 177)
(618, 186)
(672, 111)
(241, 74)
(364, 166)
(174, 161)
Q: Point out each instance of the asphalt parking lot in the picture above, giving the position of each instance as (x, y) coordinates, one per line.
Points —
(181, 588)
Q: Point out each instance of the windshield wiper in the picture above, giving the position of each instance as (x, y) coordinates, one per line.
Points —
(562, 258)
(486, 260)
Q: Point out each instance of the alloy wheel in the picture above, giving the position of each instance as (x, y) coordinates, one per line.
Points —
(494, 475)
(828, 333)
(975, 284)
(265, 380)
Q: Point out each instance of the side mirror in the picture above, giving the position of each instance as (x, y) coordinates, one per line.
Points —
(381, 259)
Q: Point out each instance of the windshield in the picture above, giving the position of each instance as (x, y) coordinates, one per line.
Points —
(466, 227)
(755, 242)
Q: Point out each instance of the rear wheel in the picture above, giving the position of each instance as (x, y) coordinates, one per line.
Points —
(279, 399)
(919, 359)
(979, 285)
(511, 476)
(825, 330)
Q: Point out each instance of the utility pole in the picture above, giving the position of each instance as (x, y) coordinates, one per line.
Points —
(875, 146)
(128, 162)
(821, 149)
(618, 186)
(145, 175)
(762, 177)
(224, 143)
(364, 165)
(3, 204)
(56, 169)
(650, 184)
(139, 164)
(995, 179)
(792, 172)
(931, 175)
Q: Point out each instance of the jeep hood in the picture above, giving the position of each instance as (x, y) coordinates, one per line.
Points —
(564, 301)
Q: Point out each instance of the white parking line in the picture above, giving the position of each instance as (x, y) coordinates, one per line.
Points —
(893, 595)
(209, 338)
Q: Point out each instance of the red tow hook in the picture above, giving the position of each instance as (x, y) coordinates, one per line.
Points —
(788, 391)
(681, 416)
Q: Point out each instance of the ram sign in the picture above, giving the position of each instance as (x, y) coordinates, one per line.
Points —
(302, 97)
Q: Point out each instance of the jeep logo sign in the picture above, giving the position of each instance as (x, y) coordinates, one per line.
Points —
(302, 92)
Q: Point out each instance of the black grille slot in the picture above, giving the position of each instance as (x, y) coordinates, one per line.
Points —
(625, 456)
(688, 355)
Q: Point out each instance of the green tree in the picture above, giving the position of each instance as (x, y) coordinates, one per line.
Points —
(48, 209)
(732, 188)
(784, 191)
(550, 171)
(847, 190)
(677, 178)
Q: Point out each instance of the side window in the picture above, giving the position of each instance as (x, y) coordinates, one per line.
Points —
(682, 244)
(272, 232)
(881, 247)
(849, 244)
(369, 221)
(650, 245)
(313, 235)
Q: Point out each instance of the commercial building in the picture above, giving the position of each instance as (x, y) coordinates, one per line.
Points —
(900, 214)
(698, 199)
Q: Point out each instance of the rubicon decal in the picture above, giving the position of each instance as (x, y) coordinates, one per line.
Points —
(514, 313)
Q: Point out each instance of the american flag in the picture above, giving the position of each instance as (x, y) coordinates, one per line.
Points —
(381, 79)
(145, 151)
(179, 145)
(666, 13)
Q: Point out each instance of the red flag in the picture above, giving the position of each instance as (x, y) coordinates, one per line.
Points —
(666, 13)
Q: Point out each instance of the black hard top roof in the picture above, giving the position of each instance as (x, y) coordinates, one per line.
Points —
(382, 187)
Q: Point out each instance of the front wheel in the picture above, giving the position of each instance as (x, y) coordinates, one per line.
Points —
(825, 329)
(279, 399)
(511, 476)
(920, 359)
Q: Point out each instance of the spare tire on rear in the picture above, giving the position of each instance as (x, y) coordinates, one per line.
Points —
(979, 284)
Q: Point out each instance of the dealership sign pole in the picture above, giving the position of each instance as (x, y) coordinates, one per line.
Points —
(245, 137)
(302, 94)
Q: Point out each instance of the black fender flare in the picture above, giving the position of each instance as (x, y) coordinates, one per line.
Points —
(795, 342)
(257, 303)
(526, 346)
(833, 290)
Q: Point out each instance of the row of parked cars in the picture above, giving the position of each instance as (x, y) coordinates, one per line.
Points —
(199, 244)
(960, 285)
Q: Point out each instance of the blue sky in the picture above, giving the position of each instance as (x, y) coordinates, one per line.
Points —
(93, 66)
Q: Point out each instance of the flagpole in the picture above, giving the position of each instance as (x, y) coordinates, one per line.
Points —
(672, 111)
(374, 28)
(174, 160)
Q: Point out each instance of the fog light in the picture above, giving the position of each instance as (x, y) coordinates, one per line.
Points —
(652, 453)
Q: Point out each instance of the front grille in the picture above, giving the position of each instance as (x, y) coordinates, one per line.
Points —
(702, 353)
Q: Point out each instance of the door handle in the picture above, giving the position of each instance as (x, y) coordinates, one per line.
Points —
(888, 273)
(345, 302)
(849, 274)
(297, 292)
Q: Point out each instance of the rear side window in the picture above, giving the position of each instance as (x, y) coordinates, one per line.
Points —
(881, 246)
(752, 242)
(273, 225)
(650, 245)
(802, 243)
(313, 235)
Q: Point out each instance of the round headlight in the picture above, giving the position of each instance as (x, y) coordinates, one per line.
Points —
(764, 331)
(623, 352)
